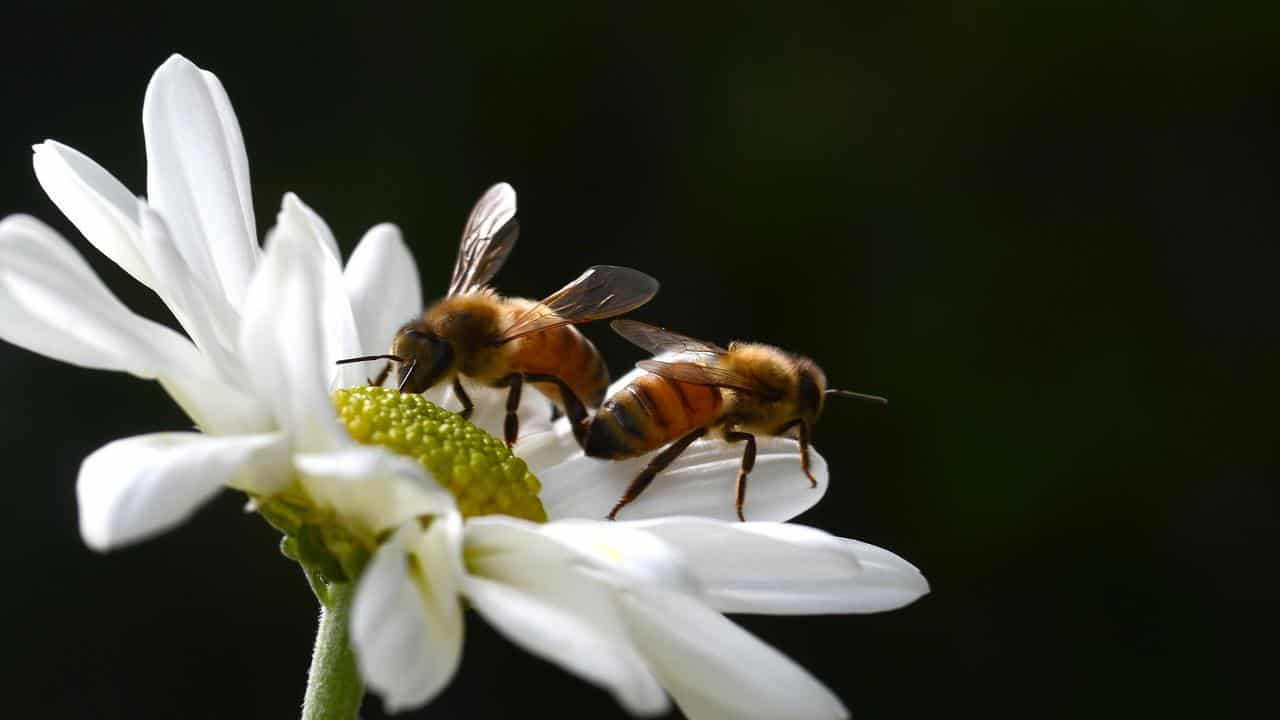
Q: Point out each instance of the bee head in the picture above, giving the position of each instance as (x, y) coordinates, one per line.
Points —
(811, 388)
(424, 360)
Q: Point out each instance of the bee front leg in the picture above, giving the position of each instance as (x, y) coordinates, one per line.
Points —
(804, 453)
(381, 377)
(804, 446)
(511, 426)
(464, 398)
(573, 406)
(748, 462)
(655, 466)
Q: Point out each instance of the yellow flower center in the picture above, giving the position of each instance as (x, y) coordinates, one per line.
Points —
(476, 467)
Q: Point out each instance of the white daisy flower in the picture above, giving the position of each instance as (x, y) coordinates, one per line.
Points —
(631, 606)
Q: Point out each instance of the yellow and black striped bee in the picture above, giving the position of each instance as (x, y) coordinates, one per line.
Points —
(498, 341)
(697, 388)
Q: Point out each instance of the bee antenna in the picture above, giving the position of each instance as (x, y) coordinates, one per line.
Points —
(857, 396)
(367, 358)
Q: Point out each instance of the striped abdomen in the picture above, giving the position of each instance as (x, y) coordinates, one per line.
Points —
(567, 354)
(649, 413)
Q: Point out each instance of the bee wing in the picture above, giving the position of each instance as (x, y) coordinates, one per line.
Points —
(700, 374)
(487, 239)
(603, 291)
(661, 340)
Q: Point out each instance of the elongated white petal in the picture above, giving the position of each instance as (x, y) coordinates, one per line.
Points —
(626, 554)
(715, 669)
(370, 487)
(134, 488)
(382, 284)
(282, 332)
(700, 482)
(198, 304)
(51, 302)
(531, 587)
(780, 568)
(563, 634)
(406, 621)
(100, 207)
(340, 339)
(197, 173)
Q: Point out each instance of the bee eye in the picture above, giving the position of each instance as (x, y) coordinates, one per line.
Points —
(426, 359)
(810, 395)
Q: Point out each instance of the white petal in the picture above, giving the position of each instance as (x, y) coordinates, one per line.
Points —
(100, 207)
(715, 669)
(197, 173)
(382, 284)
(530, 587)
(282, 331)
(340, 337)
(788, 569)
(51, 302)
(564, 635)
(372, 487)
(700, 482)
(198, 304)
(214, 406)
(546, 449)
(134, 488)
(406, 620)
(620, 551)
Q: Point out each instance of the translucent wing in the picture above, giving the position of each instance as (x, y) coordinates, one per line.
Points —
(603, 291)
(487, 239)
(700, 374)
(661, 340)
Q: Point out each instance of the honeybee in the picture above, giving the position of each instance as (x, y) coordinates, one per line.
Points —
(699, 388)
(504, 342)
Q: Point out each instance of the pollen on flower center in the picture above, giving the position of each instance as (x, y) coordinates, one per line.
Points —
(476, 467)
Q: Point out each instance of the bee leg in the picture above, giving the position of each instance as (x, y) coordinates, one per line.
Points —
(464, 398)
(804, 446)
(748, 462)
(655, 466)
(804, 453)
(381, 377)
(511, 426)
(573, 407)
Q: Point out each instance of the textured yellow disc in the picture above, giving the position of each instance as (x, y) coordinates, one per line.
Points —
(476, 467)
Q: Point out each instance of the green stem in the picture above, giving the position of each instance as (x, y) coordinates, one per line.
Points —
(334, 689)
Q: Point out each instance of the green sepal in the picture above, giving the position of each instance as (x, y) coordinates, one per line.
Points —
(314, 553)
(289, 548)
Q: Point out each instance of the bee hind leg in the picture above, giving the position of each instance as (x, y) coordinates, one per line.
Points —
(655, 466)
(748, 462)
(573, 406)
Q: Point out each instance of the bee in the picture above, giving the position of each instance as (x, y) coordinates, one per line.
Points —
(505, 342)
(695, 388)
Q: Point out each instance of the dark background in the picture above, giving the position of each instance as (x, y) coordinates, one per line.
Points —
(1045, 231)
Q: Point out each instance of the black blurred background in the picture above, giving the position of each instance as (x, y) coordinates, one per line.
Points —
(1044, 230)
